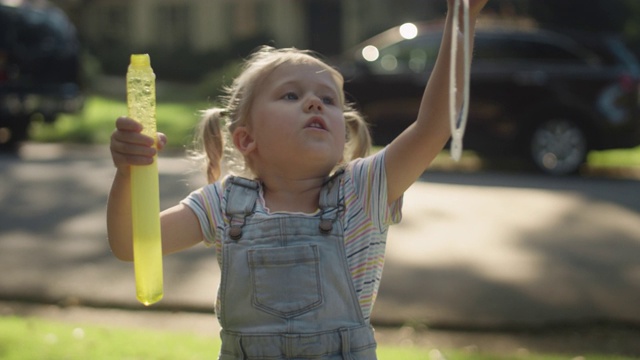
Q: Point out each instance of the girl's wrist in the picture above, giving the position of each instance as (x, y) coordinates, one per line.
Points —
(123, 172)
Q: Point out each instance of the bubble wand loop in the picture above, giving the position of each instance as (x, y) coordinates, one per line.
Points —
(145, 195)
(457, 130)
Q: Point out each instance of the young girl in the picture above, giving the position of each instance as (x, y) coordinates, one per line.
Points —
(300, 224)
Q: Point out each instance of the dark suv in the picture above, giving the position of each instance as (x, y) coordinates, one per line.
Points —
(39, 68)
(543, 95)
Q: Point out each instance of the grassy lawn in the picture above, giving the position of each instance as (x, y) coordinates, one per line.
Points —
(31, 339)
(96, 122)
(26, 339)
(615, 158)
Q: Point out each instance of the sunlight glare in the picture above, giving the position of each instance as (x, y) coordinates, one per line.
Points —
(408, 31)
(370, 53)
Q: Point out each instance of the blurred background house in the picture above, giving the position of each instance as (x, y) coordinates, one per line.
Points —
(189, 37)
(197, 28)
(206, 25)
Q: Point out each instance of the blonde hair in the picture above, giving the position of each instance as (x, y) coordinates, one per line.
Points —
(213, 137)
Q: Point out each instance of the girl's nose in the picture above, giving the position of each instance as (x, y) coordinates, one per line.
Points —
(314, 103)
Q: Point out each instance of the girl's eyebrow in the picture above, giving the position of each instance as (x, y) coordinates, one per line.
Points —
(296, 83)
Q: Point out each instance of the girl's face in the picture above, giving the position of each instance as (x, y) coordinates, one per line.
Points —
(296, 121)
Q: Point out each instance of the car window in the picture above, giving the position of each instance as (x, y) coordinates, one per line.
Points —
(407, 56)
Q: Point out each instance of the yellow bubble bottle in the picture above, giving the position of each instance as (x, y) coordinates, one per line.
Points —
(145, 194)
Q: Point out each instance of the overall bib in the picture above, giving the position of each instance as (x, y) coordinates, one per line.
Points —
(286, 291)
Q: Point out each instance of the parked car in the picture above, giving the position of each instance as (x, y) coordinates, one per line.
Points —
(39, 68)
(546, 96)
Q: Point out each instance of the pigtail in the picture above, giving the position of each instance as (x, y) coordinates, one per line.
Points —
(211, 142)
(358, 137)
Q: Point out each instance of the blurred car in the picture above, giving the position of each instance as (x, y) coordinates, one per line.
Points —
(546, 96)
(39, 67)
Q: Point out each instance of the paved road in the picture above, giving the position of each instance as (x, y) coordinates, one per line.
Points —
(473, 250)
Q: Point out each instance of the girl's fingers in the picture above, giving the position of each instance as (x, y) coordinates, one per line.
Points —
(125, 154)
(127, 124)
(130, 147)
(131, 137)
(162, 141)
(129, 131)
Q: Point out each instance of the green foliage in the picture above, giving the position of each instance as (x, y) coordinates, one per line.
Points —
(95, 123)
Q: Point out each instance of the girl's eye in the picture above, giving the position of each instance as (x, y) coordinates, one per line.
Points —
(328, 100)
(290, 96)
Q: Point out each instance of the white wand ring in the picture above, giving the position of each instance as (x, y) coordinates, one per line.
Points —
(458, 122)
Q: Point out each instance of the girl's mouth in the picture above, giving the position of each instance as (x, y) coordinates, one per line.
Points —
(316, 123)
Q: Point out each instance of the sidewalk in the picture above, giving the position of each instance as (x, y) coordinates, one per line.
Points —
(474, 251)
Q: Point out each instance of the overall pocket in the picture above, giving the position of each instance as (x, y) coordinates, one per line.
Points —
(286, 280)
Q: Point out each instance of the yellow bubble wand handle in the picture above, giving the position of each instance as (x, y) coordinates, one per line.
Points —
(145, 194)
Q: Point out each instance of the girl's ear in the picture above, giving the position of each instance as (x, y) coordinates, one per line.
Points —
(243, 140)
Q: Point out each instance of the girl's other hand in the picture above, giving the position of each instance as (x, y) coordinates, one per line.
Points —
(130, 147)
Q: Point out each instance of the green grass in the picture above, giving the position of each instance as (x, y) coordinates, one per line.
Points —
(615, 158)
(36, 339)
(32, 338)
(27, 339)
(96, 122)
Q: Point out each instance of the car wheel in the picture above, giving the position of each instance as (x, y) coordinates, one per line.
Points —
(558, 147)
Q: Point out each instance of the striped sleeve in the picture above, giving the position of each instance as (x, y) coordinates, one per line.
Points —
(367, 219)
(370, 185)
(207, 203)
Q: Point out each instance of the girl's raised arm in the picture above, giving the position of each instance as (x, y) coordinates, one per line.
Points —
(409, 155)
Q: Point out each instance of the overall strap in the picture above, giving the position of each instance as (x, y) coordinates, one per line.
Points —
(242, 195)
(330, 201)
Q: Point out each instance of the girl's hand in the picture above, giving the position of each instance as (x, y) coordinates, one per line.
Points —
(130, 147)
(475, 6)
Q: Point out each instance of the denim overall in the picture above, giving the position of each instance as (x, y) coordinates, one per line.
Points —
(286, 291)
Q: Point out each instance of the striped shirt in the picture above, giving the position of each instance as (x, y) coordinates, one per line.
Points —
(366, 219)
